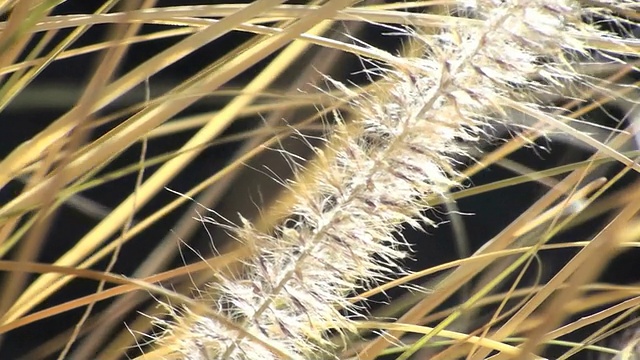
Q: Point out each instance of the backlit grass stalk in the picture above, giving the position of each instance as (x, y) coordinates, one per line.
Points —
(343, 231)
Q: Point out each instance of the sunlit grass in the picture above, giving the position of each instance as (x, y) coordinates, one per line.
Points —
(65, 159)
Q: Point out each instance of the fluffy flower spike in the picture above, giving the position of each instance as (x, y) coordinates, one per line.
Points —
(342, 232)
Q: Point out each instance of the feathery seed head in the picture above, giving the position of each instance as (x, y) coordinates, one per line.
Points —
(342, 234)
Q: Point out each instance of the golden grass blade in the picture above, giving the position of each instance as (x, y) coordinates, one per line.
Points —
(177, 15)
(19, 80)
(485, 343)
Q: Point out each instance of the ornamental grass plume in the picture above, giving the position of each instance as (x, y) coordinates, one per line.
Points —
(378, 170)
